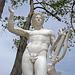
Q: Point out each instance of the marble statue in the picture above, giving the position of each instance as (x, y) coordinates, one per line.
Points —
(35, 55)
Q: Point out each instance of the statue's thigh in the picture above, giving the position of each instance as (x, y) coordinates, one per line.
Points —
(40, 66)
(27, 65)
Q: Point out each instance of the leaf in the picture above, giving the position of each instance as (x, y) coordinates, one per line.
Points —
(18, 0)
(69, 49)
(6, 18)
(22, 18)
(19, 17)
(14, 2)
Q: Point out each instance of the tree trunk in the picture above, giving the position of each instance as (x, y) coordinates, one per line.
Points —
(17, 65)
(23, 42)
(2, 3)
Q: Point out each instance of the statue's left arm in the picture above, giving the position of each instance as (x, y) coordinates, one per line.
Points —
(52, 37)
(52, 40)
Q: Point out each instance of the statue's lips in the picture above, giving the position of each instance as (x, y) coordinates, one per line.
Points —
(38, 23)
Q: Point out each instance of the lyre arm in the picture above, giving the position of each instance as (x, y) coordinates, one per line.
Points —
(65, 46)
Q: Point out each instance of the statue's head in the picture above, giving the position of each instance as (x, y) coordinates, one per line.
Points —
(37, 19)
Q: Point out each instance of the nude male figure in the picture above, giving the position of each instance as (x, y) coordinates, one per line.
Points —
(35, 54)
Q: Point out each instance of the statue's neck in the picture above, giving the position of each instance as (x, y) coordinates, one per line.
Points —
(38, 28)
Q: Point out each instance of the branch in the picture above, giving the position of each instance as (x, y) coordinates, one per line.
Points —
(38, 3)
(51, 4)
(47, 10)
(72, 15)
(43, 3)
(59, 19)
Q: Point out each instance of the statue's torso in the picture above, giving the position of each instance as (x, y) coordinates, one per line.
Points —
(38, 40)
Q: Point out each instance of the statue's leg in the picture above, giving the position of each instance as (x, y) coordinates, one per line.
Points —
(40, 65)
(27, 65)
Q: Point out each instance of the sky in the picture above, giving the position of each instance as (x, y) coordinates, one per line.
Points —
(7, 54)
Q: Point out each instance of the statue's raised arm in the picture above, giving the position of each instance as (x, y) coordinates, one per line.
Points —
(11, 28)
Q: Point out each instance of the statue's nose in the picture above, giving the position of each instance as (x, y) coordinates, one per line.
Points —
(38, 19)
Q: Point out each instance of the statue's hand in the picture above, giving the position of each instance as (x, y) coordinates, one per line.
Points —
(10, 10)
(70, 31)
(60, 32)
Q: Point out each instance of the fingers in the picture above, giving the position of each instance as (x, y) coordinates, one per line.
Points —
(10, 10)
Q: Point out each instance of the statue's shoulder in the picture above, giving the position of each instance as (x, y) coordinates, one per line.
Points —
(45, 29)
(51, 31)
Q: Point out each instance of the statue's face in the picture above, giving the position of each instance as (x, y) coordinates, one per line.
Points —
(37, 19)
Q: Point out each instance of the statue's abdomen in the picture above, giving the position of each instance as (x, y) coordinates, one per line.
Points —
(38, 43)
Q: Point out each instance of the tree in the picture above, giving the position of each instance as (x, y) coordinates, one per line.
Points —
(57, 9)
(2, 3)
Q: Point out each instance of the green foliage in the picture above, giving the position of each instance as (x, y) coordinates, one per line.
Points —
(17, 3)
(16, 43)
(60, 7)
(19, 22)
(4, 22)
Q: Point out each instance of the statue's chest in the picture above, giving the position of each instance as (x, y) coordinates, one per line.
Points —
(39, 35)
(40, 32)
